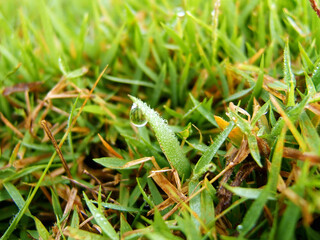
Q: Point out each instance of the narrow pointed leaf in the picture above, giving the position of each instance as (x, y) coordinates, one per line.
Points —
(166, 138)
(289, 77)
(106, 227)
(207, 156)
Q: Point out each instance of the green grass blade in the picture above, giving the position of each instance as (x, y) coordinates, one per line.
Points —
(238, 94)
(98, 215)
(43, 232)
(136, 192)
(195, 202)
(256, 208)
(309, 132)
(113, 163)
(16, 196)
(207, 156)
(262, 111)
(159, 86)
(293, 115)
(119, 207)
(289, 77)
(76, 233)
(124, 225)
(231, 49)
(176, 38)
(148, 71)
(204, 112)
(254, 149)
(288, 222)
(166, 138)
(130, 81)
(257, 87)
(109, 57)
(249, 193)
(316, 77)
(307, 63)
(173, 82)
(183, 81)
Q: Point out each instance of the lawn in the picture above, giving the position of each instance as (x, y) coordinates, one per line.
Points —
(155, 119)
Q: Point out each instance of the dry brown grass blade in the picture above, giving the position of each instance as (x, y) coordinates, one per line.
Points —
(288, 122)
(67, 210)
(269, 80)
(168, 187)
(300, 202)
(94, 192)
(140, 161)
(45, 126)
(162, 206)
(9, 125)
(315, 7)
(14, 153)
(31, 117)
(281, 183)
(22, 87)
(256, 56)
(167, 203)
(29, 160)
(54, 109)
(109, 148)
(67, 95)
(84, 103)
(293, 153)
(315, 108)
(55, 130)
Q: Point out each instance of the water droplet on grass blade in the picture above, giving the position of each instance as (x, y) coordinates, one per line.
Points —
(136, 116)
(180, 12)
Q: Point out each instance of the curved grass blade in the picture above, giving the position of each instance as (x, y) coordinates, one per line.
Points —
(206, 158)
(263, 110)
(166, 138)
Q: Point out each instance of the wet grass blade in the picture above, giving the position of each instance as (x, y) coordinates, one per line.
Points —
(101, 220)
(316, 77)
(166, 138)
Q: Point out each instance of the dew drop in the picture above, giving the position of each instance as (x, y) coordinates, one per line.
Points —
(239, 228)
(180, 12)
(136, 116)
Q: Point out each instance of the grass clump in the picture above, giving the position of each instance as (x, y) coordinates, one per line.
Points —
(235, 153)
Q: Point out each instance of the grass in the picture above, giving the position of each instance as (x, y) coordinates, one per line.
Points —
(230, 90)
